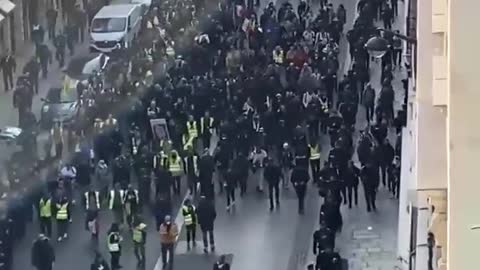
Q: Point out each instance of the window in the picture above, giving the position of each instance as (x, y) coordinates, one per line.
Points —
(106, 25)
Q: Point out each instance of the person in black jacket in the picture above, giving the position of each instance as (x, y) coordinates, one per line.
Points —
(328, 259)
(351, 177)
(299, 181)
(206, 215)
(163, 207)
(8, 66)
(370, 180)
(32, 69)
(163, 182)
(43, 255)
(221, 264)
(323, 238)
(240, 167)
(272, 174)
(206, 167)
(385, 159)
(230, 185)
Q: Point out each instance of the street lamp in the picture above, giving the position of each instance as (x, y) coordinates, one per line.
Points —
(378, 46)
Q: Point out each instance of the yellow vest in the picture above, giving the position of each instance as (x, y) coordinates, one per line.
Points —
(138, 234)
(314, 152)
(188, 215)
(192, 129)
(113, 247)
(45, 208)
(187, 141)
(170, 51)
(278, 57)
(175, 165)
(62, 212)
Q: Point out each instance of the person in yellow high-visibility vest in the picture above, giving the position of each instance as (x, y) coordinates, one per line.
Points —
(278, 55)
(62, 217)
(45, 215)
(192, 129)
(190, 217)
(139, 237)
(314, 156)
(114, 240)
(176, 170)
(187, 141)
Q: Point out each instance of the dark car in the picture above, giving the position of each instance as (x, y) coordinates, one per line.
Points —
(61, 102)
(59, 105)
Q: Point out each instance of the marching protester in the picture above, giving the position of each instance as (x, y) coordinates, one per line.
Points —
(168, 237)
(300, 178)
(131, 204)
(190, 216)
(92, 205)
(63, 215)
(139, 237)
(45, 208)
(8, 66)
(273, 175)
(116, 203)
(114, 245)
(206, 215)
(43, 254)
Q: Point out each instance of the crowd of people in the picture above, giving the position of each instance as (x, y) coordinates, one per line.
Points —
(245, 94)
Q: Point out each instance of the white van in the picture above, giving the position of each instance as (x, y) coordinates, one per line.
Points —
(115, 24)
(146, 4)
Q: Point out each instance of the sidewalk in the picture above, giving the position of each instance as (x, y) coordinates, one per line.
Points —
(25, 51)
(368, 240)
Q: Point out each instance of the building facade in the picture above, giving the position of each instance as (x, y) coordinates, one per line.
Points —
(439, 185)
(16, 20)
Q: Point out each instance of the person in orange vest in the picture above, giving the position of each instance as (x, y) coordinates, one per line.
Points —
(168, 237)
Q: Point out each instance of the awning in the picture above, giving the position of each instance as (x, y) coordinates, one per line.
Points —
(6, 6)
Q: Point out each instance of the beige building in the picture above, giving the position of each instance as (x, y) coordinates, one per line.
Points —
(441, 143)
